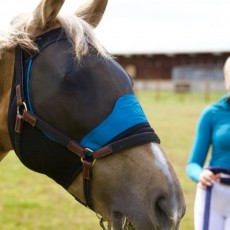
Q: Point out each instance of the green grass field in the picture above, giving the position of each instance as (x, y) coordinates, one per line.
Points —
(30, 201)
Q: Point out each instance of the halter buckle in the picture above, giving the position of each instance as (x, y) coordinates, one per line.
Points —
(22, 106)
(88, 150)
(19, 117)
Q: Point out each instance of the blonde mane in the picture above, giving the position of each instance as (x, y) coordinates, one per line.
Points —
(226, 71)
(80, 33)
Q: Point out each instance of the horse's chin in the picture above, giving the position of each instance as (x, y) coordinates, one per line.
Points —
(123, 221)
(128, 224)
(126, 221)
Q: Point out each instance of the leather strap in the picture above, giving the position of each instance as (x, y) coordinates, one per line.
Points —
(75, 147)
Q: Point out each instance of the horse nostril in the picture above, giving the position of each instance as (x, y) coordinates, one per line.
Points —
(163, 219)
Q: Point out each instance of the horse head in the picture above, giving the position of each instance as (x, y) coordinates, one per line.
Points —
(64, 96)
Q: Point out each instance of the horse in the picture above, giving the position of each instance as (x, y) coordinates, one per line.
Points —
(68, 110)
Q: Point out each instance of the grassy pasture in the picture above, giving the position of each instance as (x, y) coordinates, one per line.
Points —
(30, 201)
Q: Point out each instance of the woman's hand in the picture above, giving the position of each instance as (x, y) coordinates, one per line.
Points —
(207, 178)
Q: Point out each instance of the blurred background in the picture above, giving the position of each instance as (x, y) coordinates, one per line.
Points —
(169, 44)
(175, 51)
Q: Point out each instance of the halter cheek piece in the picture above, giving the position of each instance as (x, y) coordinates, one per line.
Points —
(87, 156)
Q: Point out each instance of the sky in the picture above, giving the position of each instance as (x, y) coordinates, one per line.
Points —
(152, 26)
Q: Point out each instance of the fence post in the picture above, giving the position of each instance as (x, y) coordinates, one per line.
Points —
(182, 87)
(207, 91)
(158, 89)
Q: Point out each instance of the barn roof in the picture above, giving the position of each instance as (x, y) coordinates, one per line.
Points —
(166, 26)
(153, 26)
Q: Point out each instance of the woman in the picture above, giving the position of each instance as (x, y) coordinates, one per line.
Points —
(212, 202)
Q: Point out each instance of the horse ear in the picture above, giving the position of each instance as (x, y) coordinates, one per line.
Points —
(45, 14)
(92, 11)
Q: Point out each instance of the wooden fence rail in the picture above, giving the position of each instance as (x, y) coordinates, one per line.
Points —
(182, 88)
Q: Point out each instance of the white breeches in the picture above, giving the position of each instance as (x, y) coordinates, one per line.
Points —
(219, 217)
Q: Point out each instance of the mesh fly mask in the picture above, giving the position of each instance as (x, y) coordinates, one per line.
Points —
(65, 113)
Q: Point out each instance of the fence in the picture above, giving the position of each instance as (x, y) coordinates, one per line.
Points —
(181, 87)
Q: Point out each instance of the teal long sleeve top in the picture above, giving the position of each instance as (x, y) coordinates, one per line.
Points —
(213, 131)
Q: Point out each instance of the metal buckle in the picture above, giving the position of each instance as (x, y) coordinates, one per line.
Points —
(23, 105)
(90, 151)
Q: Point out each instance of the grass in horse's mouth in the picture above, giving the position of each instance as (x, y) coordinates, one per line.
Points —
(128, 225)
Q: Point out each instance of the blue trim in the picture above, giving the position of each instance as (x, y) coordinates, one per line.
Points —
(28, 96)
(127, 113)
(27, 85)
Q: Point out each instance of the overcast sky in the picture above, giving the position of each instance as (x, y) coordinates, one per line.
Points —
(152, 26)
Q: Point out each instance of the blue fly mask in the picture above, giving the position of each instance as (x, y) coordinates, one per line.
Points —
(64, 111)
